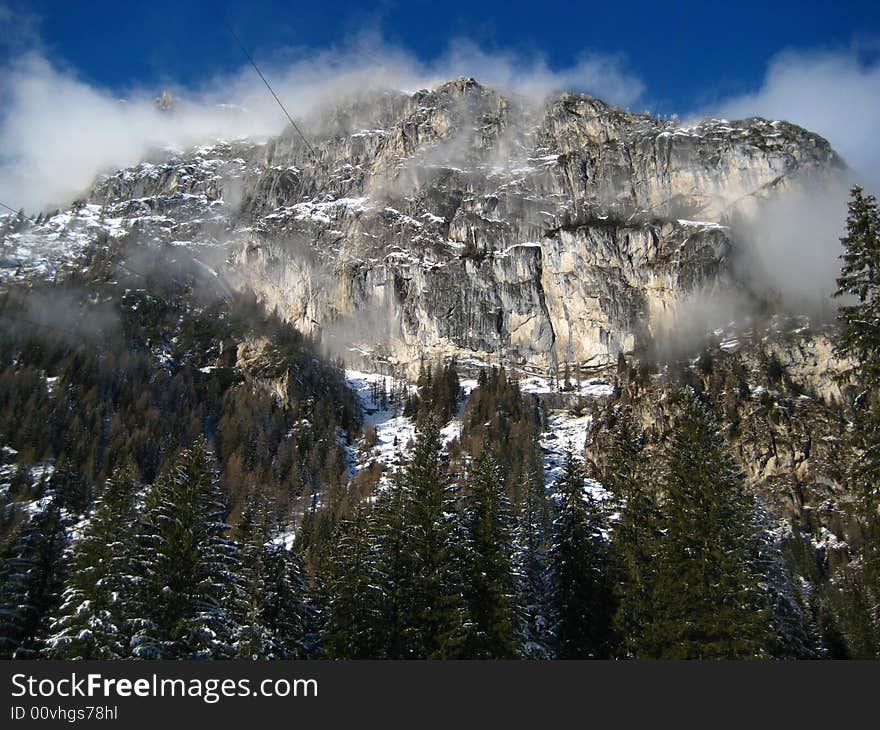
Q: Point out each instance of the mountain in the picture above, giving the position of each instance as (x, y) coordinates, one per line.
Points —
(304, 301)
(460, 222)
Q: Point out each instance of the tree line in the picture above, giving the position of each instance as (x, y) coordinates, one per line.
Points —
(434, 567)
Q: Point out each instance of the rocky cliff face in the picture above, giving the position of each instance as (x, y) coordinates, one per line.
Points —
(457, 221)
(779, 392)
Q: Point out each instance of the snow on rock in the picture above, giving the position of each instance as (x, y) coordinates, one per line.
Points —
(566, 433)
(42, 472)
(41, 249)
(285, 538)
(321, 212)
(451, 431)
(393, 431)
(543, 386)
(701, 224)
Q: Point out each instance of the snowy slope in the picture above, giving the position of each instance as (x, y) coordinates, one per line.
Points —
(395, 432)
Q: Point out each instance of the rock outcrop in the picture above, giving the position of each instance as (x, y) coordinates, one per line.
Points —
(458, 221)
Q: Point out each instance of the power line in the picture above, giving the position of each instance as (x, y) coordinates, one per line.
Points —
(253, 63)
(16, 212)
(311, 149)
(318, 162)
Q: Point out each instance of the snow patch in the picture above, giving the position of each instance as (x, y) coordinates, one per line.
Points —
(567, 433)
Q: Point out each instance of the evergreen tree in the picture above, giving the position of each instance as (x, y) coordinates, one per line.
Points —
(272, 617)
(93, 621)
(488, 573)
(286, 606)
(448, 391)
(31, 580)
(707, 602)
(393, 569)
(531, 541)
(353, 604)
(854, 613)
(794, 633)
(624, 472)
(434, 610)
(581, 595)
(190, 569)
(858, 608)
(253, 640)
(860, 279)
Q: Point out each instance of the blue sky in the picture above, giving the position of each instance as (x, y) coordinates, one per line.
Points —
(687, 54)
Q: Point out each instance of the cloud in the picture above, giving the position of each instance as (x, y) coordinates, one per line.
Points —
(833, 93)
(68, 313)
(684, 327)
(600, 75)
(58, 132)
(790, 243)
(785, 252)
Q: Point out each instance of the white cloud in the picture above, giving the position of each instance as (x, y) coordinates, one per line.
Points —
(835, 94)
(790, 244)
(603, 76)
(791, 241)
(58, 132)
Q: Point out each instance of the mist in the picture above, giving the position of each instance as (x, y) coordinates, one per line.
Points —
(790, 245)
(833, 93)
(785, 253)
(70, 313)
(682, 329)
(58, 132)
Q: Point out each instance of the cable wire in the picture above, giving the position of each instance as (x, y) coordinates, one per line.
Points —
(16, 212)
(253, 63)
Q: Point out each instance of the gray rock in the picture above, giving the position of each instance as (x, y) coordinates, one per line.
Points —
(460, 222)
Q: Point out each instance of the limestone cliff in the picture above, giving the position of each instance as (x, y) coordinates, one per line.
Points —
(459, 221)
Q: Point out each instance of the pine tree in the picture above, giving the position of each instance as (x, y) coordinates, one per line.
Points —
(860, 279)
(190, 570)
(858, 607)
(269, 602)
(487, 564)
(286, 606)
(581, 595)
(30, 584)
(531, 541)
(93, 621)
(253, 640)
(392, 560)
(794, 633)
(625, 473)
(448, 389)
(435, 612)
(707, 601)
(353, 604)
